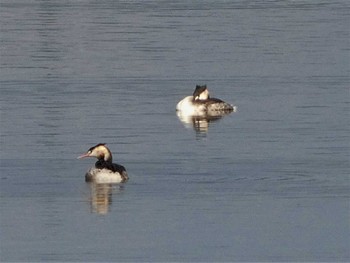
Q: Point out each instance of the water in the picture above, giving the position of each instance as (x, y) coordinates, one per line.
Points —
(269, 182)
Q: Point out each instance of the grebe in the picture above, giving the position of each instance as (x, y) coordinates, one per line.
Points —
(104, 171)
(200, 103)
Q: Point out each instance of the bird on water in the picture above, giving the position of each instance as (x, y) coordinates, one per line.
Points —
(104, 171)
(201, 103)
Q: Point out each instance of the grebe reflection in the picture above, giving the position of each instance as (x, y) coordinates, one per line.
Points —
(101, 196)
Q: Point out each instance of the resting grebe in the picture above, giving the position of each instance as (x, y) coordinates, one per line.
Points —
(104, 171)
(200, 103)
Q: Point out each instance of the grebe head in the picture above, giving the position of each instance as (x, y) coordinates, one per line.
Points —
(201, 93)
(100, 151)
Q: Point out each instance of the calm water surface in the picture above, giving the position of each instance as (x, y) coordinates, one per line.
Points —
(269, 182)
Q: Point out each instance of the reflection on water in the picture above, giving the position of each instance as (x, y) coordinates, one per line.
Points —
(101, 196)
(200, 123)
(267, 187)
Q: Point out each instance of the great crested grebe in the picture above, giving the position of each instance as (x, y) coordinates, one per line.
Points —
(201, 103)
(104, 171)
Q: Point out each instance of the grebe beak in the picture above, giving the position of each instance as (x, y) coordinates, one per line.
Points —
(83, 156)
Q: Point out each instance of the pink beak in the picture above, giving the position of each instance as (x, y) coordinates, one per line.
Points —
(83, 156)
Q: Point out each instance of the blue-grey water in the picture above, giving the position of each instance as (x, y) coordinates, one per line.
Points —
(269, 182)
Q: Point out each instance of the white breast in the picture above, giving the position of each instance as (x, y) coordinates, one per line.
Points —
(105, 176)
(187, 107)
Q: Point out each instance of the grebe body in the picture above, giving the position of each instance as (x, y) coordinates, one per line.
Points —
(200, 103)
(188, 107)
(105, 171)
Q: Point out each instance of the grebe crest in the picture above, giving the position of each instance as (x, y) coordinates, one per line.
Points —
(104, 171)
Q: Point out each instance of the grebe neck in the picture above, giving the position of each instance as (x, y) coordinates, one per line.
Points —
(106, 155)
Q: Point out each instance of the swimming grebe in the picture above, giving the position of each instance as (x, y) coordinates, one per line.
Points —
(104, 171)
(200, 103)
